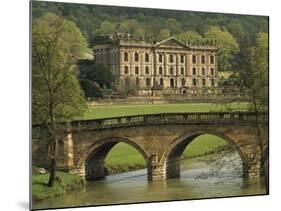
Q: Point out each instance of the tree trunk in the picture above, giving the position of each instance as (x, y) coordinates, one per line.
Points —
(53, 152)
(263, 146)
(52, 170)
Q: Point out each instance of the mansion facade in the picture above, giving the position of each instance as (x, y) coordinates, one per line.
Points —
(166, 67)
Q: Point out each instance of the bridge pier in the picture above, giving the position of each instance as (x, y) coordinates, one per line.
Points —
(95, 170)
(173, 168)
(252, 169)
(155, 170)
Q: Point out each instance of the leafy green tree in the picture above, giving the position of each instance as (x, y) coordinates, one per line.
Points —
(56, 94)
(258, 69)
(89, 19)
(124, 27)
(126, 87)
(227, 46)
(106, 28)
(173, 25)
(190, 36)
(163, 34)
(97, 73)
(91, 89)
(237, 31)
(258, 64)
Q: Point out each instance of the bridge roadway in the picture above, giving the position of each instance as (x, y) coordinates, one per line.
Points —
(160, 138)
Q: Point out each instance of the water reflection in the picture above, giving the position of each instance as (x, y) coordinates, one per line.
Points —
(133, 187)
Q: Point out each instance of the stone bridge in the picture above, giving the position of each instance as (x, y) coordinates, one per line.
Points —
(160, 138)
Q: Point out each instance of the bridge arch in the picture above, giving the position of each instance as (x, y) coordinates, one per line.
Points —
(170, 159)
(93, 159)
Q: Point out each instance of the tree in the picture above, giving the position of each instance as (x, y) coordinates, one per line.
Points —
(237, 30)
(126, 87)
(258, 69)
(106, 28)
(190, 36)
(97, 73)
(90, 88)
(56, 94)
(227, 46)
(163, 34)
(173, 25)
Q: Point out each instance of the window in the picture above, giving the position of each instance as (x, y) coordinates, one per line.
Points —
(146, 57)
(172, 84)
(126, 81)
(160, 58)
(171, 58)
(212, 82)
(204, 82)
(194, 59)
(137, 82)
(147, 82)
(182, 58)
(212, 58)
(160, 70)
(212, 71)
(136, 70)
(136, 57)
(126, 56)
(182, 70)
(147, 70)
(183, 82)
(203, 71)
(193, 71)
(194, 82)
(171, 70)
(203, 59)
(126, 71)
(161, 81)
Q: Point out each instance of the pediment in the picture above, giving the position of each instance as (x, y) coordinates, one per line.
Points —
(171, 42)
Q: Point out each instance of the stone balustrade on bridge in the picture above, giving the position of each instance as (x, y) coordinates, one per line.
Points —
(160, 139)
(170, 118)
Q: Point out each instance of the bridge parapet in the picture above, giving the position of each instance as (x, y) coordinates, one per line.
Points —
(170, 118)
(161, 144)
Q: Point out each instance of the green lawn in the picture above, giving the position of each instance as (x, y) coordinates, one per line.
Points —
(124, 157)
(96, 112)
(41, 191)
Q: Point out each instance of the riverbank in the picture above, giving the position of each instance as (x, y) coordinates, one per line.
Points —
(65, 183)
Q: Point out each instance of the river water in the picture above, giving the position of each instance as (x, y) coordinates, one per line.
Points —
(133, 187)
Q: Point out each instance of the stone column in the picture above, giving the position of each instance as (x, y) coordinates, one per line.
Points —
(95, 170)
(173, 168)
(187, 70)
(142, 61)
(120, 55)
(252, 168)
(132, 60)
(165, 64)
(68, 151)
(156, 171)
(186, 64)
(177, 70)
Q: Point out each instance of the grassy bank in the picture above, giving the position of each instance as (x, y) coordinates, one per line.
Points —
(124, 158)
(66, 182)
(96, 112)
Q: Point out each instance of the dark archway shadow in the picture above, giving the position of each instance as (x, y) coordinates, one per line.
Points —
(171, 158)
(94, 159)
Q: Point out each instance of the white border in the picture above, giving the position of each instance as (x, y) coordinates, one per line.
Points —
(14, 45)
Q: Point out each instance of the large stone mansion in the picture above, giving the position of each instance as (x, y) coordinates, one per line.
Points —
(166, 67)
